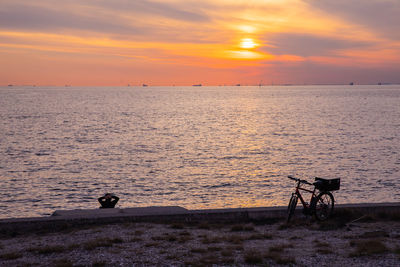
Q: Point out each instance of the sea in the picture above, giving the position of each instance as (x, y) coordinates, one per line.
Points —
(196, 147)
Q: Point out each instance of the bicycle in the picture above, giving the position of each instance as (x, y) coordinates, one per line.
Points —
(321, 204)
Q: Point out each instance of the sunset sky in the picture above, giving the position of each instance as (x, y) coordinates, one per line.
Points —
(213, 42)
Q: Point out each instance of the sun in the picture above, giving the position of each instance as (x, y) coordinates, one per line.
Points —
(245, 48)
(247, 43)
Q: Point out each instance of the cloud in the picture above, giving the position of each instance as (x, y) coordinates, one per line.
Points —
(47, 19)
(306, 45)
(139, 19)
(382, 16)
(317, 73)
(172, 11)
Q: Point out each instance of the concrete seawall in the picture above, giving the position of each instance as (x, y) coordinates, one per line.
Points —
(62, 219)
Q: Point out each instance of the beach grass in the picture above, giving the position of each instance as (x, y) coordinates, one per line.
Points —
(253, 256)
(278, 258)
(323, 247)
(10, 256)
(48, 249)
(367, 247)
(102, 242)
(63, 262)
(241, 228)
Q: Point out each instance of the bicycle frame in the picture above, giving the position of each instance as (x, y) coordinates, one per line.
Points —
(303, 202)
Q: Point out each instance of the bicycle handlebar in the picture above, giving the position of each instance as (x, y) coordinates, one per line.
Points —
(299, 180)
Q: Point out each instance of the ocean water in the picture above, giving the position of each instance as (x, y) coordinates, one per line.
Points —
(196, 147)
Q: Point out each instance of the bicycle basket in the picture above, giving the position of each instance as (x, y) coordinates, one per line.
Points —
(327, 184)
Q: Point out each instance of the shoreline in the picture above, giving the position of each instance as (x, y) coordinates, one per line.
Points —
(360, 235)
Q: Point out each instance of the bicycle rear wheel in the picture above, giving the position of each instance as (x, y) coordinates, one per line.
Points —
(291, 206)
(323, 207)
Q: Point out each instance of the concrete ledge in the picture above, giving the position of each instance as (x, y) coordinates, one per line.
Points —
(98, 213)
(62, 219)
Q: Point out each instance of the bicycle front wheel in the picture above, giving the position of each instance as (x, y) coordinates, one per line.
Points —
(324, 206)
(291, 206)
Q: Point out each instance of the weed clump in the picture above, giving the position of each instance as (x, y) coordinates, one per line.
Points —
(322, 247)
(204, 226)
(253, 257)
(101, 242)
(198, 250)
(213, 259)
(63, 263)
(367, 247)
(165, 237)
(280, 248)
(259, 236)
(152, 244)
(211, 239)
(234, 239)
(241, 228)
(227, 252)
(99, 264)
(275, 253)
(138, 233)
(374, 234)
(279, 259)
(177, 226)
(10, 256)
(48, 249)
(324, 251)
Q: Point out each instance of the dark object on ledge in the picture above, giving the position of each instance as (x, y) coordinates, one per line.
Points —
(108, 201)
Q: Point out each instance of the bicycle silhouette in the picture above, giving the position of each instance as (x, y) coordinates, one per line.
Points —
(321, 202)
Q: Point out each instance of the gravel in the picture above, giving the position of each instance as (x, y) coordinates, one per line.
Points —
(301, 243)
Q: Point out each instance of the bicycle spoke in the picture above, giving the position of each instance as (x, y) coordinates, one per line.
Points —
(324, 206)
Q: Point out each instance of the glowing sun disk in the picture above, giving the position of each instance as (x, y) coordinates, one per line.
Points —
(247, 43)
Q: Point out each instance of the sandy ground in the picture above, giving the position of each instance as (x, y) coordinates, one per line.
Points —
(302, 243)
